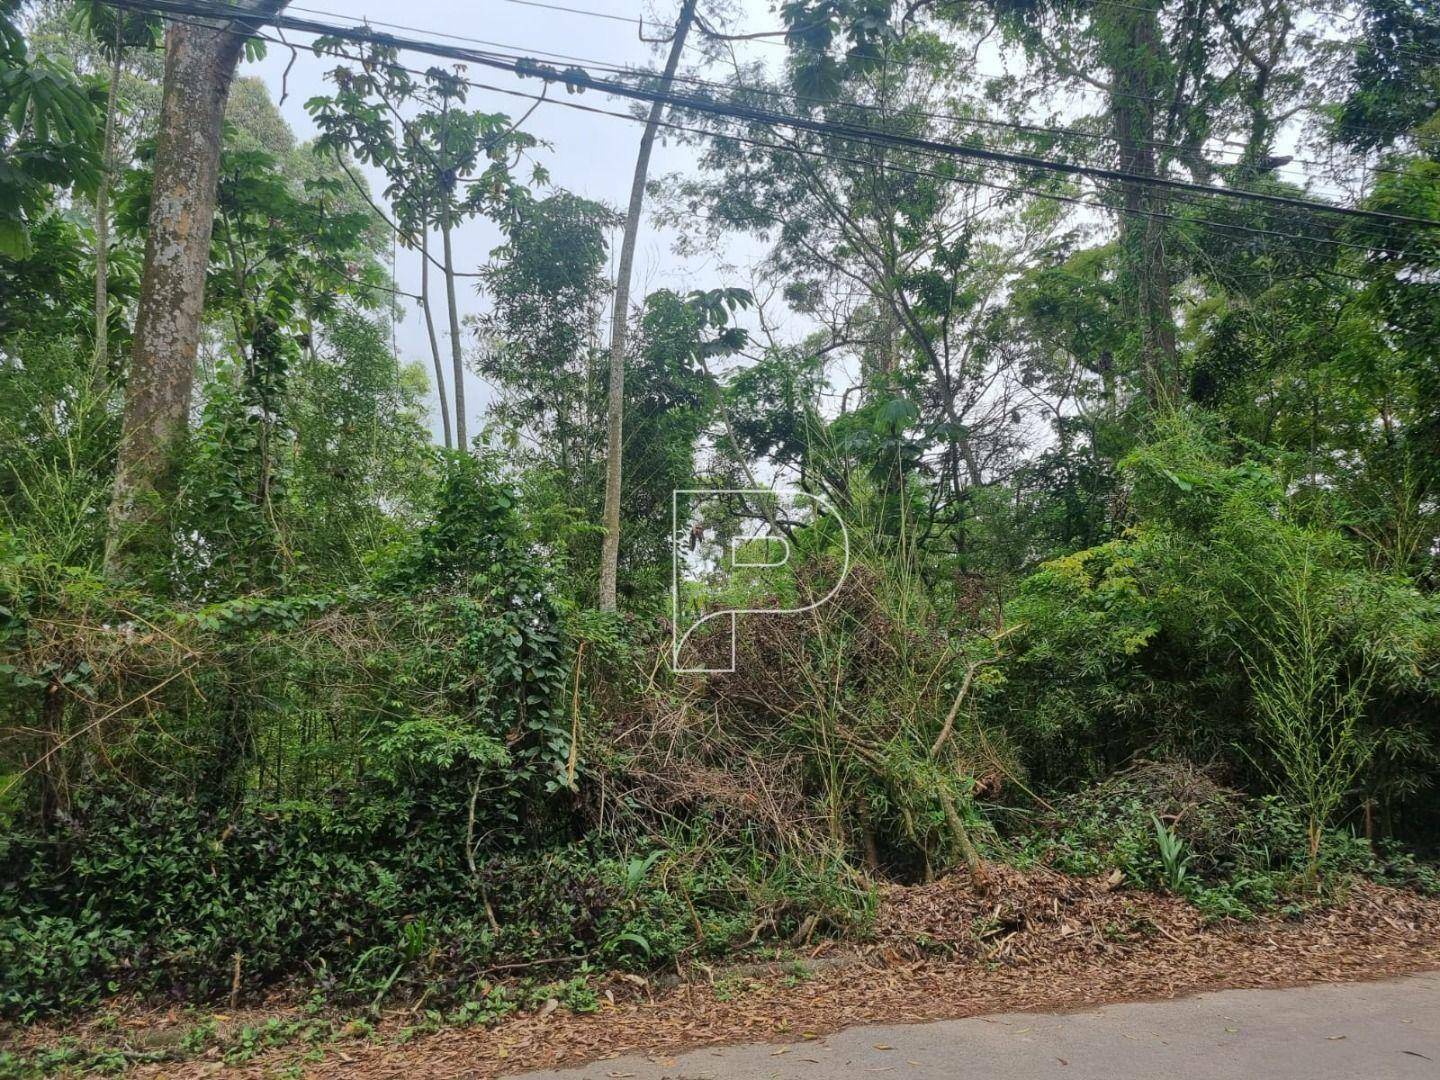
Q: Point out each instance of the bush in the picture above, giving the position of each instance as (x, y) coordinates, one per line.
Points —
(161, 896)
(1226, 625)
(367, 897)
(1241, 854)
(54, 963)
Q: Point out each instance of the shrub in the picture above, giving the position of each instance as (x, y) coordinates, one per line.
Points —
(1224, 625)
(368, 896)
(1240, 854)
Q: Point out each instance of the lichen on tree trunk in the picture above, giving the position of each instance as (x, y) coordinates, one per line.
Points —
(200, 61)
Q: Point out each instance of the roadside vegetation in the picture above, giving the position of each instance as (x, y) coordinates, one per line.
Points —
(1141, 504)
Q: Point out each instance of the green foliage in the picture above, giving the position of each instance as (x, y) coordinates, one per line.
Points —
(360, 728)
(1394, 77)
(361, 464)
(669, 407)
(538, 348)
(1132, 646)
(488, 608)
(1172, 826)
(58, 964)
(1172, 855)
(444, 163)
(49, 137)
(456, 653)
(161, 897)
(371, 895)
(55, 477)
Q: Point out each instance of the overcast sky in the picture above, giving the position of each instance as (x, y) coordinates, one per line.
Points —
(591, 155)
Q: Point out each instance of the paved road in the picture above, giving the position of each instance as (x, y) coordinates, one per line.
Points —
(1357, 1031)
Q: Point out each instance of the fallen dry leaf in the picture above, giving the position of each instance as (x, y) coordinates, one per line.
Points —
(1116, 952)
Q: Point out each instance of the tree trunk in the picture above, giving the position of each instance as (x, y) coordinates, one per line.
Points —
(610, 551)
(200, 60)
(1135, 63)
(52, 776)
(99, 377)
(462, 441)
(430, 330)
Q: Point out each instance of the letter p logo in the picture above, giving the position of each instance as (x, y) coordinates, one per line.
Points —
(726, 542)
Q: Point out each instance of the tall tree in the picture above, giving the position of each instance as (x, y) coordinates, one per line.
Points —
(429, 313)
(1131, 44)
(102, 201)
(444, 165)
(615, 415)
(200, 60)
(904, 264)
(547, 285)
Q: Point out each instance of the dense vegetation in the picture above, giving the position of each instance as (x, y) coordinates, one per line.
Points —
(1141, 489)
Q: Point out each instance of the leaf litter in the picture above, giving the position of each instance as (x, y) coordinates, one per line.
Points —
(1021, 940)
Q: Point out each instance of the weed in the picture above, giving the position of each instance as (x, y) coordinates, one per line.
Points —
(1173, 856)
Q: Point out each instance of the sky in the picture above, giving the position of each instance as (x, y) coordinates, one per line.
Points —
(592, 156)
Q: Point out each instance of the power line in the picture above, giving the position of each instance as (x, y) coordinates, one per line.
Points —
(773, 37)
(1147, 98)
(1234, 227)
(929, 174)
(581, 79)
(770, 37)
(830, 155)
(575, 11)
(1080, 202)
(1037, 129)
(1157, 143)
(765, 37)
(977, 121)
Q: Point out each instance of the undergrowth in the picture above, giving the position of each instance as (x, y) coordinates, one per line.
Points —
(1173, 828)
(366, 900)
